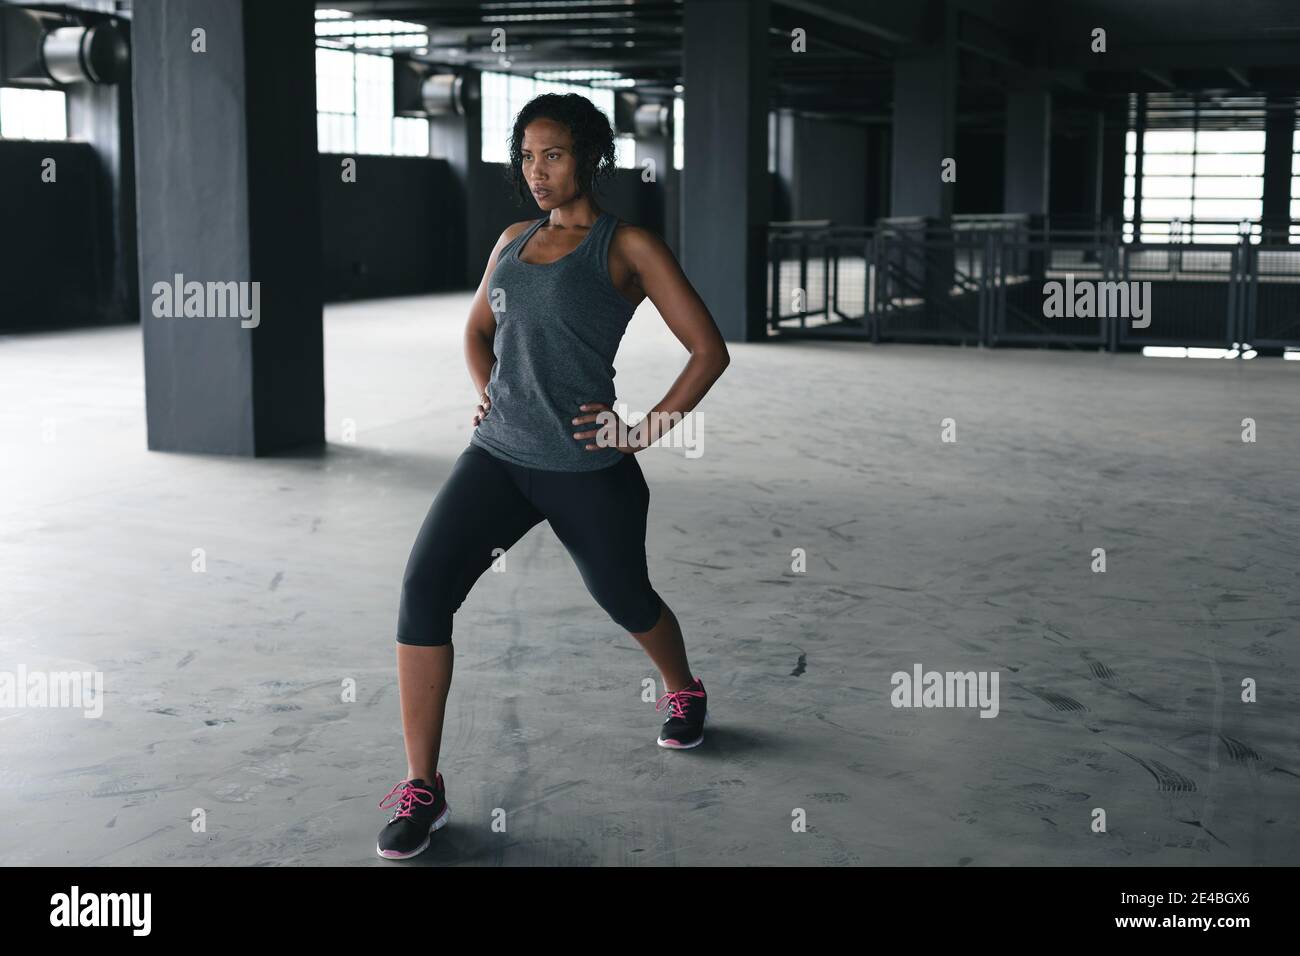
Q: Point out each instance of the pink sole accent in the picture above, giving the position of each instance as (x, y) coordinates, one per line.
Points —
(674, 745)
(437, 824)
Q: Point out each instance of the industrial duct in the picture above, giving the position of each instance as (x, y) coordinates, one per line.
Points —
(421, 92)
(651, 120)
(95, 54)
(640, 119)
(45, 47)
(441, 94)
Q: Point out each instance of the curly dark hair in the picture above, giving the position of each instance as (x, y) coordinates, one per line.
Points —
(593, 138)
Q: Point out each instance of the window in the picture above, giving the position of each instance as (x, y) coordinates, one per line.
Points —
(504, 95)
(1200, 180)
(773, 139)
(354, 107)
(679, 132)
(1294, 228)
(33, 114)
(354, 91)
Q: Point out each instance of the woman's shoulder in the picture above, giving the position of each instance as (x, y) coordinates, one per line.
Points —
(515, 230)
(635, 243)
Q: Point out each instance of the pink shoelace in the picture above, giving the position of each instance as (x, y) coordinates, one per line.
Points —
(406, 794)
(678, 701)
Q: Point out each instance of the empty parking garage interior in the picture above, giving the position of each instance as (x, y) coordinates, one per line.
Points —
(985, 544)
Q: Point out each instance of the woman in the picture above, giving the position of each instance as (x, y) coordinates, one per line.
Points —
(543, 330)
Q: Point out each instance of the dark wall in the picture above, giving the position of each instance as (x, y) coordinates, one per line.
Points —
(824, 169)
(980, 181)
(50, 267)
(1069, 188)
(880, 155)
(387, 233)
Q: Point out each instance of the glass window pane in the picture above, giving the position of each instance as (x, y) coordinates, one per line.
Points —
(410, 136)
(1166, 187)
(374, 135)
(1159, 164)
(1168, 141)
(335, 133)
(679, 132)
(1230, 141)
(33, 114)
(374, 85)
(625, 151)
(1229, 187)
(496, 118)
(334, 81)
(1229, 164)
(522, 89)
(1165, 208)
(1226, 208)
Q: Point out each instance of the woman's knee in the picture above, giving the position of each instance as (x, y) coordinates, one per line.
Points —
(432, 592)
(635, 611)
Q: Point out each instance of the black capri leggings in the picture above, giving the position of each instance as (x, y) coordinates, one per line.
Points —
(488, 504)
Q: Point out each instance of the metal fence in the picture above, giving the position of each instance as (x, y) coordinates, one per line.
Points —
(1271, 295)
(817, 276)
(1016, 280)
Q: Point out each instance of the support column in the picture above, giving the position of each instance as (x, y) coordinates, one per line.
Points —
(924, 132)
(1279, 132)
(228, 189)
(1027, 162)
(1110, 200)
(725, 207)
(924, 135)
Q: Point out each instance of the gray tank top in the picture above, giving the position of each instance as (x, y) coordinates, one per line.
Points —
(559, 325)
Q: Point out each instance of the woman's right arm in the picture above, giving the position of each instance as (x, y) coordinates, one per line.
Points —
(482, 325)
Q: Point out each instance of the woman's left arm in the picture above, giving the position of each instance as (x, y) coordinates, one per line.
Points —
(655, 270)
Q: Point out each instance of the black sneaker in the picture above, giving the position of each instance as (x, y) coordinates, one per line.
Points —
(421, 809)
(687, 713)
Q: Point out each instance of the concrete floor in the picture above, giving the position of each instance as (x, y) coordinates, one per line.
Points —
(1119, 691)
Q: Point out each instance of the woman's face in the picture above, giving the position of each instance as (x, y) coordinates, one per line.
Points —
(548, 163)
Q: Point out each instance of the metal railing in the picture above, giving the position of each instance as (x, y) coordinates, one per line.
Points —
(993, 280)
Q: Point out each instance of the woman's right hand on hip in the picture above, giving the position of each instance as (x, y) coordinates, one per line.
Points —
(484, 406)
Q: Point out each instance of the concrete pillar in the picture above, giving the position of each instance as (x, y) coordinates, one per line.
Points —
(1027, 158)
(923, 136)
(228, 189)
(924, 132)
(1279, 129)
(1114, 132)
(725, 207)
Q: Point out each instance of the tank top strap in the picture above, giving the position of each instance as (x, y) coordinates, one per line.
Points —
(518, 241)
(597, 248)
